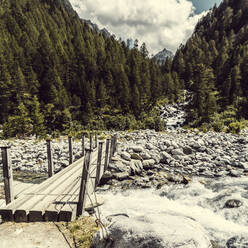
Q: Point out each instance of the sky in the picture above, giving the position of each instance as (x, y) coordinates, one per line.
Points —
(159, 23)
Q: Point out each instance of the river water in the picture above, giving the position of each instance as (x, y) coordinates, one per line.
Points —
(203, 201)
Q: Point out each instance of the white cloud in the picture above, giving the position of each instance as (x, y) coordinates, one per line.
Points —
(158, 23)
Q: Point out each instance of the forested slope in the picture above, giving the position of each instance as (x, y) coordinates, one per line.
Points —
(214, 65)
(56, 71)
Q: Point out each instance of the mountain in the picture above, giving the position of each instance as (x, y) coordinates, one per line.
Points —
(59, 73)
(213, 64)
(163, 55)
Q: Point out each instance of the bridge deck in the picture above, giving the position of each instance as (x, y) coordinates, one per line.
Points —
(56, 198)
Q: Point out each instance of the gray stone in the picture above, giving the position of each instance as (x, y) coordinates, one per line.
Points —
(237, 242)
(121, 176)
(117, 166)
(178, 152)
(126, 156)
(148, 164)
(145, 155)
(165, 157)
(187, 150)
(139, 232)
(150, 146)
(233, 203)
(136, 167)
(136, 156)
(235, 173)
(137, 148)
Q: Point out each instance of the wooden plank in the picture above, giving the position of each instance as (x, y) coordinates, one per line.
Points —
(53, 209)
(41, 199)
(33, 190)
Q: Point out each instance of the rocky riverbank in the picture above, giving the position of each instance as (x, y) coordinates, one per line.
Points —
(194, 183)
(147, 158)
(29, 156)
(176, 189)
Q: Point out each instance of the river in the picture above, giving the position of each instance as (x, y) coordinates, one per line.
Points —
(202, 200)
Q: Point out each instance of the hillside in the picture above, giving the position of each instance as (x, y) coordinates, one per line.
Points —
(214, 65)
(58, 73)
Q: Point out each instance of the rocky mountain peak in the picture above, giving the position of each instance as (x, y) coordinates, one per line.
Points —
(162, 55)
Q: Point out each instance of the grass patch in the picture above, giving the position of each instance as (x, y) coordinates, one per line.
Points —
(81, 231)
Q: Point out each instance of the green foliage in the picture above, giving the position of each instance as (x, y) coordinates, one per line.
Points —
(18, 124)
(213, 63)
(73, 71)
(235, 127)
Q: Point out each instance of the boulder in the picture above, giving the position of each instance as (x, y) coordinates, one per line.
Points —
(233, 203)
(145, 155)
(165, 157)
(152, 232)
(237, 241)
(136, 167)
(148, 164)
(150, 146)
(126, 156)
(117, 166)
(137, 148)
(187, 150)
(136, 156)
(178, 152)
(121, 176)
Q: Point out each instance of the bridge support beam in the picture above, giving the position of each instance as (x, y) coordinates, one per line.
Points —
(85, 173)
(99, 159)
(106, 155)
(83, 145)
(70, 150)
(7, 175)
(50, 159)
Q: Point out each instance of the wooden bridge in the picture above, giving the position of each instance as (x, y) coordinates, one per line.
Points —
(63, 196)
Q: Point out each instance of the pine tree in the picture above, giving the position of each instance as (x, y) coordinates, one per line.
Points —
(37, 119)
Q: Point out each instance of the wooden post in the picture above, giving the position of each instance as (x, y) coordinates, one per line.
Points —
(111, 150)
(7, 175)
(115, 143)
(95, 140)
(70, 150)
(99, 160)
(50, 159)
(82, 193)
(91, 147)
(106, 155)
(83, 147)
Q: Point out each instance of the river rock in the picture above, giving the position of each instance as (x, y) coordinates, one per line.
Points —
(139, 232)
(117, 166)
(237, 242)
(137, 148)
(148, 164)
(165, 157)
(121, 176)
(126, 156)
(187, 150)
(177, 152)
(136, 167)
(233, 203)
(136, 156)
(145, 155)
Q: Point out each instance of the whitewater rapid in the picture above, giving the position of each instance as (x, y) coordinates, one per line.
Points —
(202, 200)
